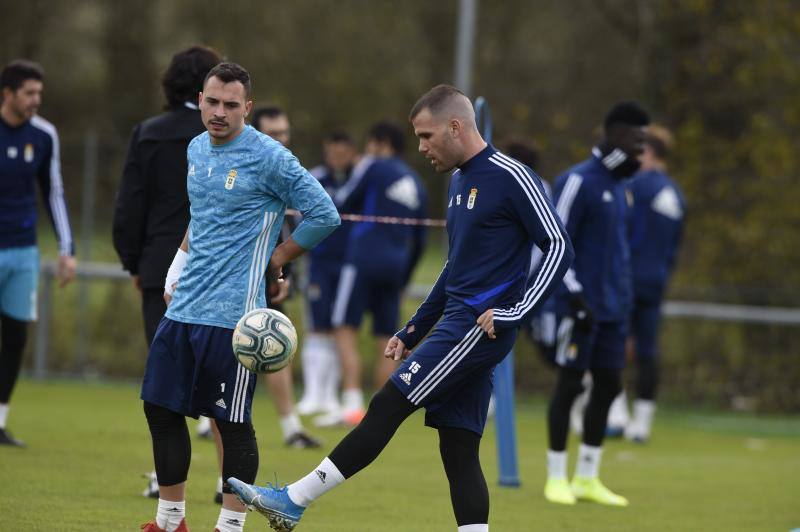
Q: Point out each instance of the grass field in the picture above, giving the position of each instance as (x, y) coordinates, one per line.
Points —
(88, 444)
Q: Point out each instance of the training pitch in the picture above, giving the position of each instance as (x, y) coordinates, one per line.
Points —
(88, 444)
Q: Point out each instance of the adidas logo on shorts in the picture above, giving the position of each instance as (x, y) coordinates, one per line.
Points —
(221, 404)
(406, 378)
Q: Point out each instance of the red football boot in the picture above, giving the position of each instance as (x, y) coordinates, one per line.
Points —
(152, 526)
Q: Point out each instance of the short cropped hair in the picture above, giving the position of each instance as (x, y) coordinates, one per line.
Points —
(269, 111)
(389, 133)
(660, 140)
(230, 72)
(187, 70)
(434, 100)
(626, 114)
(339, 136)
(18, 72)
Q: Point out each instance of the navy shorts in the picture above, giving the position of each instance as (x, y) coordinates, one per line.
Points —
(359, 292)
(191, 370)
(323, 278)
(645, 321)
(451, 372)
(601, 347)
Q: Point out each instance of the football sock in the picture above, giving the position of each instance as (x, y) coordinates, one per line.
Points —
(588, 464)
(313, 358)
(3, 416)
(353, 399)
(230, 521)
(290, 425)
(568, 387)
(556, 464)
(618, 414)
(473, 528)
(332, 373)
(170, 514)
(312, 486)
(459, 449)
(643, 412)
(13, 334)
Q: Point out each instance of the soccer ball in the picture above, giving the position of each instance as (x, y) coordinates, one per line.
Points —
(264, 341)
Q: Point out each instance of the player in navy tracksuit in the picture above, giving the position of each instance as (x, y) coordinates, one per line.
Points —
(29, 155)
(497, 212)
(379, 258)
(321, 369)
(592, 306)
(658, 211)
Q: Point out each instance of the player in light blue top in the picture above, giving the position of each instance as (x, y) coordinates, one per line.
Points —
(240, 184)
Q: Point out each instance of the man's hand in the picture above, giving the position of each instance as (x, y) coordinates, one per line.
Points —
(168, 296)
(279, 291)
(66, 270)
(396, 349)
(486, 321)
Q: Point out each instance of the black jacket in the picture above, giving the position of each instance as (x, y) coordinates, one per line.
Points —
(152, 210)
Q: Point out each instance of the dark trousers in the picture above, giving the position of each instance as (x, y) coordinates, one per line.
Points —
(153, 309)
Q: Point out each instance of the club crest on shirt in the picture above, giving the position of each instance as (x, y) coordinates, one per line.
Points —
(231, 179)
(12, 152)
(28, 153)
(473, 193)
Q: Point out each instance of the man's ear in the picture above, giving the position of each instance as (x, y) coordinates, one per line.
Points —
(248, 106)
(455, 128)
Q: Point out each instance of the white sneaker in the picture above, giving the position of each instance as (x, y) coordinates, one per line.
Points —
(334, 418)
(638, 430)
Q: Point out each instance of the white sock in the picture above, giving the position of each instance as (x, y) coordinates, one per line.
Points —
(618, 415)
(219, 484)
(312, 357)
(170, 514)
(291, 424)
(473, 528)
(332, 373)
(353, 399)
(230, 521)
(588, 464)
(312, 486)
(3, 415)
(556, 464)
(643, 412)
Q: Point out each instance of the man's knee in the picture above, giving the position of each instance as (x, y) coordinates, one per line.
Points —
(240, 452)
(570, 383)
(606, 384)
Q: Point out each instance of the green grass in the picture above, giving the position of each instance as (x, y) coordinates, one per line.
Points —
(88, 444)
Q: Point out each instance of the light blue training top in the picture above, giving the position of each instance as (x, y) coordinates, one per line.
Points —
(239, 193)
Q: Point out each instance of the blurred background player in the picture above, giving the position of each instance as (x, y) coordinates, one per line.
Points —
(379, 260)
(273, 121)
(29, 155)
(657, 226)
(593, 304)
(240, 182)
(321, 367)
(152, 207)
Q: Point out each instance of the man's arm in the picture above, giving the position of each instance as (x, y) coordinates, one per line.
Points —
(176, 268)
(130, 211)
(52, 189)
(427, 314)
(538, 216)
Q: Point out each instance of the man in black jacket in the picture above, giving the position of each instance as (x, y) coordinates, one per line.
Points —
(152, 210)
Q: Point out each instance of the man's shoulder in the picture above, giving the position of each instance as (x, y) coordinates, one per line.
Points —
(182, 124)
(585, 171)
(44, 127)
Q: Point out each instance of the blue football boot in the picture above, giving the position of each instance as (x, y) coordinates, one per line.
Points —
(275, 504)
